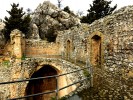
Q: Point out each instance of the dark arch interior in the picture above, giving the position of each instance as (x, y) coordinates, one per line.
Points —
(96, 37)
(68, 48)
(42, 85)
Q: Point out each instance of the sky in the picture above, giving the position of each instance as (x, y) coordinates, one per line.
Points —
(75, 5)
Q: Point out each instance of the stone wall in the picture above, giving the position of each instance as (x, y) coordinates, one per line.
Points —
(113, 76)
(4, 76)
(118, 54)
(26, 68)
(39, 48)
(6, 50)
(77, 42)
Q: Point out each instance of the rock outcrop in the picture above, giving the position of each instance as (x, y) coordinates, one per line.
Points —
(2, 41)
(50, 19)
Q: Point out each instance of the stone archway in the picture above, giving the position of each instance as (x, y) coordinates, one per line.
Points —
(96, 50)
(39, 86)
(68, 49)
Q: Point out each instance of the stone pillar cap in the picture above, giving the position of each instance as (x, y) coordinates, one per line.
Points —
(16, 32)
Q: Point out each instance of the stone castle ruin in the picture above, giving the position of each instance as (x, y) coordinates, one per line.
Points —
(106, 45)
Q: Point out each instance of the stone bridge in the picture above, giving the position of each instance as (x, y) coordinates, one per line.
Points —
(36, 67)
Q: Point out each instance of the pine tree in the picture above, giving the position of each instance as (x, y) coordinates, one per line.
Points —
(99, 9)
(67, 9)
(25, 28)
(17, 20)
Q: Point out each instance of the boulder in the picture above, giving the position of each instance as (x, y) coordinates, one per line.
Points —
(49, 19)
(2, 40)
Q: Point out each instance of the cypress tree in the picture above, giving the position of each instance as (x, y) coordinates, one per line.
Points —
(99, 9)
(17, 20)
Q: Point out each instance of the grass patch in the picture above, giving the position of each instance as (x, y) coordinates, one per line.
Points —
(86, 73)
(23, 57)
(6, 63)
(62, 98)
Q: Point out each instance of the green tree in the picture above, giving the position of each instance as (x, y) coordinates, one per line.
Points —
(99, 9)
(25, 28)
(67, 9)
(17, 20)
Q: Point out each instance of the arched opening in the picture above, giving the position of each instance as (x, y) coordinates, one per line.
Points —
(68, 49)
(96, 50)
(42, 85)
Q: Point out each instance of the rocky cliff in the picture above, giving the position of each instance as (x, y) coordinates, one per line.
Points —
(2, 25)
(50, 19)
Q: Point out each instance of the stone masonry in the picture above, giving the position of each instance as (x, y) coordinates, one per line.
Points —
(106, 45)
(113, 76)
